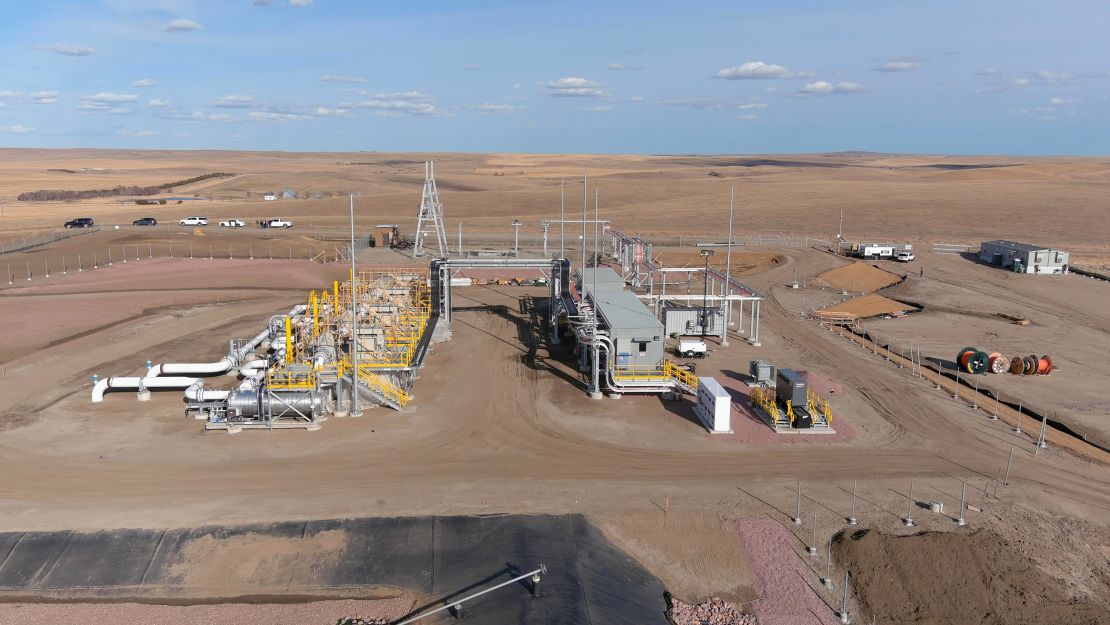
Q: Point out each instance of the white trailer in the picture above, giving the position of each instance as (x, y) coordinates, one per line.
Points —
(874, 251)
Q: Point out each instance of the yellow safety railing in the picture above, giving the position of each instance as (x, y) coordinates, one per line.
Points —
(395, 393)
(818, 405)
(666, 372)
(283, 379)
(680, 375)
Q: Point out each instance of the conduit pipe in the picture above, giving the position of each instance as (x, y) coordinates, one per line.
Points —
(135, 382)
(225, 363)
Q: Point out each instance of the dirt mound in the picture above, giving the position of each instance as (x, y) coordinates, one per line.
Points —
(859, 277)
(865, 306)
(954, 579)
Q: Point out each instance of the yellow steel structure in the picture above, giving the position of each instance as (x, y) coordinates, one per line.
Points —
(394, 308)
(665, 373)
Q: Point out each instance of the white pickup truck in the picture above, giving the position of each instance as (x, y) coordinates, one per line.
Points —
(276, 222)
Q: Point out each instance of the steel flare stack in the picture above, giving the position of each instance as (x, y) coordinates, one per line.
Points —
(300, 367)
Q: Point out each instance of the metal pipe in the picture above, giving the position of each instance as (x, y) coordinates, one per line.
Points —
(457, 603)
(135, 382)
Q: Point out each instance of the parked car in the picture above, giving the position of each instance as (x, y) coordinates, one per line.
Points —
(80, 222)
(194, 221)
(276, 222)
(232, 223)
(145, 221)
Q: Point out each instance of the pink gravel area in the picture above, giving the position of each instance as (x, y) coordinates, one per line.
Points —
(314, 613)
(182, 273)
(747, 427)
(714, 611)
(780, 577)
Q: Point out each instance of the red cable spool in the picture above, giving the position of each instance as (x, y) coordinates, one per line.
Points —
(1044, 365)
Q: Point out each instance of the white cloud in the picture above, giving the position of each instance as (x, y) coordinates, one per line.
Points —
(234, 101)
(158, 103)
(898, 65)
(1061, 102)
(498, 108)
(572, 87)
(263, 3)
(753, 70)
(1056, 78)
(45, 97)
(404, 102)
(342, 79)
(472, 68)
(181, 25)
(605, 108)
(748, 116)
(622, 67)
(16, 129)
(106, 103)
(201, 116)
(326, 112)
(145, 82)
(9, 94)
(270, 116)
(822, 87)
(111, 97)
(67, 49)
(988, 71)
(139, 133)
(636, 98)
(299, 3)
(711, 103)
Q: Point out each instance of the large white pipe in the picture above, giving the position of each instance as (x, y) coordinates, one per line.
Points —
(196, 392)
(135, 382)
(225, 363)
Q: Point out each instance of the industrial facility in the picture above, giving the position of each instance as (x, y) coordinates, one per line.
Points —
(1023, 257)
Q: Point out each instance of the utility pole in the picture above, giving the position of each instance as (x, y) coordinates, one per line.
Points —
(727, 305)
(562, 216)
(356, 410)
(516, 236)
(705, 294)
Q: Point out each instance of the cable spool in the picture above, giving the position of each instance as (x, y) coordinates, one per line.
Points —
(964, 356)
(1044, 366)
(1017, 365)
(998, 363)
(1029, 365)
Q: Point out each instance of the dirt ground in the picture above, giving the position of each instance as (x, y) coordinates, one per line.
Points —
(310, 613)
(881, 196)
(866, 306)
(962, 579)
(858, 277)
(500, 422)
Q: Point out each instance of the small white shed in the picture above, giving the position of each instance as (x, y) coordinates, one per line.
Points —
(714, 407)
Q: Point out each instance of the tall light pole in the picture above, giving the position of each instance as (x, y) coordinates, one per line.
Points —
(356, 411)
(705, 296)
(516, 236)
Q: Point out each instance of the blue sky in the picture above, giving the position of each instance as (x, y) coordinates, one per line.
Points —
(1001, 77)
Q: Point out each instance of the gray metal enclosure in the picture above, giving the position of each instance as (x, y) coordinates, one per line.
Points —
(687, 320)
(1023, 257)
(637, 335)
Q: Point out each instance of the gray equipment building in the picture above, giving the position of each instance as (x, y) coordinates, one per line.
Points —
(687, 320)
(636, 334)
(1023, 257)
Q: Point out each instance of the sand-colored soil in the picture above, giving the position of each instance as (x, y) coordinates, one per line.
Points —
(500, 422)
(967, 199)
(936, 578)
(863, 307)
(858, 277)
(311, 613)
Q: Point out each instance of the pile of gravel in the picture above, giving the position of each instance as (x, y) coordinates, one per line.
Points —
(713, 611)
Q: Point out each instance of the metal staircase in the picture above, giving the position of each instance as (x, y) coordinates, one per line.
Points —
(382, 390)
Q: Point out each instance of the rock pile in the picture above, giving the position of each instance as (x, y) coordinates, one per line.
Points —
(713, 611)
(362, 621)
